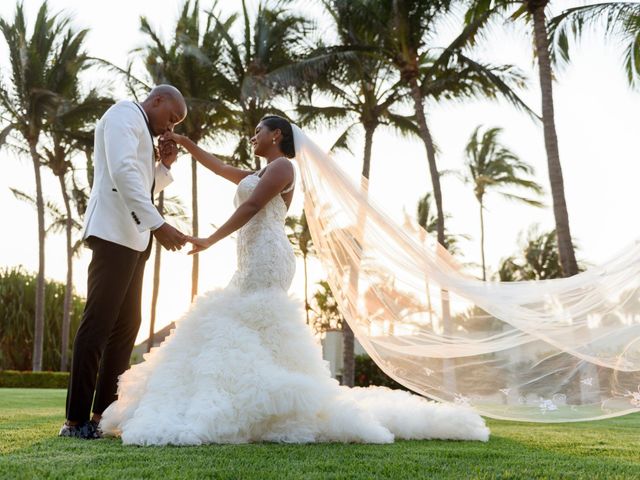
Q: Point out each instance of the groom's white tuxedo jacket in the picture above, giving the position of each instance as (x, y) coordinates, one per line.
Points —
(120, 207)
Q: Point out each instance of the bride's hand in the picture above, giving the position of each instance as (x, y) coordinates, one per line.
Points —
(199, 244)
(169, 135)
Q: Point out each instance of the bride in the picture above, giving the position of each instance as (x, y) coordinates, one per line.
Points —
(241, 365)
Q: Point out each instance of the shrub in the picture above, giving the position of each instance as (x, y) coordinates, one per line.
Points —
(17, 313)
(28, 379)
(368, 373)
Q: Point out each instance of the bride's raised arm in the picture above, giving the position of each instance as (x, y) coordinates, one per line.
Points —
(208, 160)
(275, 179)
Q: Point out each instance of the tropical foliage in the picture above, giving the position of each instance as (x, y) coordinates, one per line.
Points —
(371, 66)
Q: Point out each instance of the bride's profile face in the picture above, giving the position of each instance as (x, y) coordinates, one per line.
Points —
(263, 139)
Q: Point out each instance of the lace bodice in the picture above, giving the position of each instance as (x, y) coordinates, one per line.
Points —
(265, 255)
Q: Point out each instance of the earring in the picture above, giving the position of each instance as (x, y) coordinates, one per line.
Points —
(273, 141)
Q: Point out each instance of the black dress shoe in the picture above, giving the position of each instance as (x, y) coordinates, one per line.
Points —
(94, 428)
(86, 431)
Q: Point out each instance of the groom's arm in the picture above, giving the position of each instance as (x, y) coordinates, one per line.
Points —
(122, 134)
(163, 177)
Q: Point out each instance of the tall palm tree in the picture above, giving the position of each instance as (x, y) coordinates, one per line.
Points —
(362, 95)
(70, 123)
(433, 73)
(41, 66)
(300, 237)
(229, 85)
(190, 62)
(172, 208)
(534, 13)
(269, 58)
(391, 40)
(358, 84)
(489, 166)
(535, 9)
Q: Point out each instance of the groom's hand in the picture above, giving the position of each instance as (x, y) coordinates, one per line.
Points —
(170, 237)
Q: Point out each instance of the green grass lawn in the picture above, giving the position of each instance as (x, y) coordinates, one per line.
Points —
(29, 448)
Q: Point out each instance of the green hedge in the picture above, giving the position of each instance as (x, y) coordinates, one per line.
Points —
(368, 373)
(17, 379)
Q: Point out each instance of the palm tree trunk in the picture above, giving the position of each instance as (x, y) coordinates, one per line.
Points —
(68, 290)
(484, 265)
(156, 280)
(38, 331)
(348, 356)
(565, 245)
(425, 134)
(560, 213)
(348, 339)
(368, 145)
(89, 155)
(195, 269)
(306, 293)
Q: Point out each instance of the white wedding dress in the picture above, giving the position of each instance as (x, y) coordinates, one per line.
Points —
(242, 366)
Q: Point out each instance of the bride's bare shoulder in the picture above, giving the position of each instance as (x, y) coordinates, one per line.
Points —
(282, 165)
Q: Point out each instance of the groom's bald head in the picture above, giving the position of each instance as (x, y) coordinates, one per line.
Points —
(165, 107)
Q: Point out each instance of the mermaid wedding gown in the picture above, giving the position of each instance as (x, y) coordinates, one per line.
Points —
(242, 366)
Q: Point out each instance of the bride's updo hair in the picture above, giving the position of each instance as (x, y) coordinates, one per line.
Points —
(275, 122)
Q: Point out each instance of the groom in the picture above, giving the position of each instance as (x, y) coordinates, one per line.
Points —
(117, 226)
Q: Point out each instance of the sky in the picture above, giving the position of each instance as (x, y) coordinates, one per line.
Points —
(596, 117)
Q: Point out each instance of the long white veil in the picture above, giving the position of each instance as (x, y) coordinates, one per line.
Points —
(546, 351)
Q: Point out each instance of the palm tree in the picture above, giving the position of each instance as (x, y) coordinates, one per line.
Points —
(620, 20)
(539, 259)
(363, 97)
(269, 59)
(385, 38)
(433, 73)
(300, 238)
(70, 123)
(41, 66)
(534, 12)
(61, 222)
(428, 220)
(358, 84)
(191, 64)
(490, 165)
(327, 314)
(172, 208)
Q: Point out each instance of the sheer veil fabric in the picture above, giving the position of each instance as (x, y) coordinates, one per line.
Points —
(546, 351)
(241, 365)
